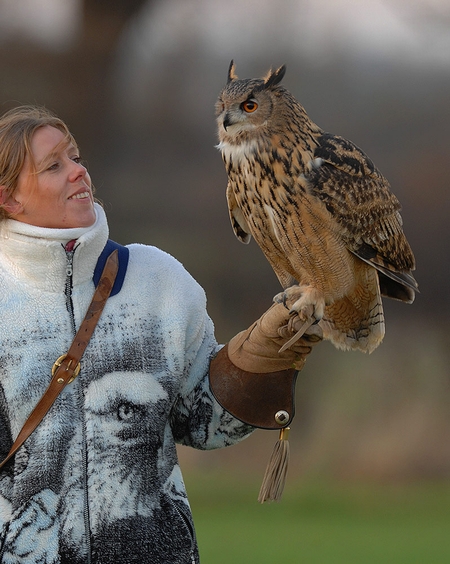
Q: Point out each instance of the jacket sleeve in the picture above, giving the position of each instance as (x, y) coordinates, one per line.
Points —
(225, 403)
(197, 419)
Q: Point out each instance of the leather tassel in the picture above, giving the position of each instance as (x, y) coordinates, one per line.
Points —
(275, 475)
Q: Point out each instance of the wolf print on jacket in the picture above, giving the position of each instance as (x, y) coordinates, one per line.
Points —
(99, 481)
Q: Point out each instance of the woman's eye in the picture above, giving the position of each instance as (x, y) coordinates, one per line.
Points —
(249, 106)
(53, 166)
(77, 159)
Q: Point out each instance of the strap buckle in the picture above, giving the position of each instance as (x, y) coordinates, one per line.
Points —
(58, 363)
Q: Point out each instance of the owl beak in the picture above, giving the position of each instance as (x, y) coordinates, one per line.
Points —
(226, 121)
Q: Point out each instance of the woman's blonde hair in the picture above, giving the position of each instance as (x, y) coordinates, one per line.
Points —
(17, 127)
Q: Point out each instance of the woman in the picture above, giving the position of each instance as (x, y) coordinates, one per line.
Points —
(98, 480)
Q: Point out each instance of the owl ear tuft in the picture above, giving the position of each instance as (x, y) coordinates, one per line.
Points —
(274, 77)
(231, 74)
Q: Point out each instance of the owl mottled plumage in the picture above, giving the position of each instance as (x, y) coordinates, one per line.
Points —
(322, 213)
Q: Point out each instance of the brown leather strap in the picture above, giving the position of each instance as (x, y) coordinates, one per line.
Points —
(66, 368)
(265, 400)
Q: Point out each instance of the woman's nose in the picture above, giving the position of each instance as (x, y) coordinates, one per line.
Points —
(77, 171)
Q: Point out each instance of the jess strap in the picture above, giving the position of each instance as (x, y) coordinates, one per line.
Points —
(67, 367)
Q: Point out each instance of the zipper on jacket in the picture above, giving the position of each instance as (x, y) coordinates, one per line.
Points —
(87, 526)
(70, 249)
(69, 284)
(190, 529)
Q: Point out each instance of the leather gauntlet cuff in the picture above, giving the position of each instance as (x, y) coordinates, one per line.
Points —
(262, 400)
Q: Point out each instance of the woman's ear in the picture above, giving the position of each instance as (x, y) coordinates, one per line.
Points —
(9, 203)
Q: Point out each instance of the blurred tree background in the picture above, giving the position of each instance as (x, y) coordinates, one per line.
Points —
(136, 80)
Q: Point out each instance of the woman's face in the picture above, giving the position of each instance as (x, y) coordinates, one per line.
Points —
(59, 194)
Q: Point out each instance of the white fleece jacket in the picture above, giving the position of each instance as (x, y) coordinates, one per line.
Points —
(99, 480)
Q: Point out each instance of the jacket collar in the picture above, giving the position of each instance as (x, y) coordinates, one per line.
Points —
(36, 256)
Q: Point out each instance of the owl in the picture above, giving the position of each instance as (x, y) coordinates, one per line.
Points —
(319, 209)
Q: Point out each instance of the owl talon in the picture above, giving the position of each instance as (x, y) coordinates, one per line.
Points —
(306, 325)
(281, 298)
(306, 306)
(307, 317)
(305, 312)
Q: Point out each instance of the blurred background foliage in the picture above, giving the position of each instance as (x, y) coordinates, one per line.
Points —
(136, 80)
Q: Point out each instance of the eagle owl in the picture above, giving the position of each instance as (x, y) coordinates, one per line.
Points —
(322, 213)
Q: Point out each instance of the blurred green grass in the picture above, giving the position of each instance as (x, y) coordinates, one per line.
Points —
(317, 523)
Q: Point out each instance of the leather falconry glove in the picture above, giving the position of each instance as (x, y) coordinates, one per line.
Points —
(255, 382)
(257, 349)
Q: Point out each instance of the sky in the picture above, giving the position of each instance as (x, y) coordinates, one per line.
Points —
(51, 23)
(417, 31)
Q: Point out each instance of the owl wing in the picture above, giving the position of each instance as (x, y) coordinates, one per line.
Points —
(367, 213)
(238, 221)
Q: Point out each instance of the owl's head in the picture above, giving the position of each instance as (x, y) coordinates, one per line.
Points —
(248, 105)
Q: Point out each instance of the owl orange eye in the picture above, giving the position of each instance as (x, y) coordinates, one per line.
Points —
(249, 106)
